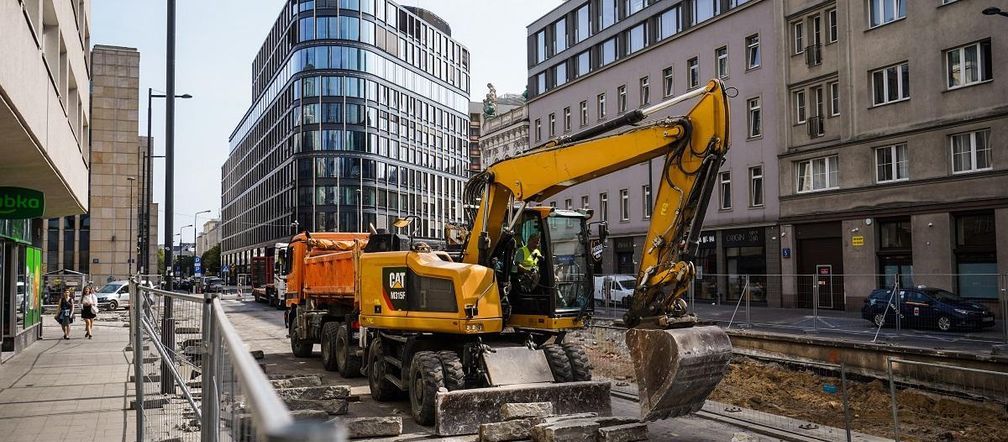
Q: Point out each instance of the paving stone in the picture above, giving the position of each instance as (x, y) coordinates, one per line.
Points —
(623, 433)
(323, 392)
(300, 381)
(309, 415)
(515, 429)
(370, 427)
(330, 406)
(526, 409)
(568, 430)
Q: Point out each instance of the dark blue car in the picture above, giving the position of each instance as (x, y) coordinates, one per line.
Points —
(926, 307)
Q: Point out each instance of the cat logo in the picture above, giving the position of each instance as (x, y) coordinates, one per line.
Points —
(394, 285)
(396, 280)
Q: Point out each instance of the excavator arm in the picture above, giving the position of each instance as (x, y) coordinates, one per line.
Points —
(677, 364)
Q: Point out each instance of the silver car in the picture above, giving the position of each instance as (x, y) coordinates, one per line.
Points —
(113, 295)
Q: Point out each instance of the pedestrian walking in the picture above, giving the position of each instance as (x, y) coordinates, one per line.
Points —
(89, 310)
(66, 312)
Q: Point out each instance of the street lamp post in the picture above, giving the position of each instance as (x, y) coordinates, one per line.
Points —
(129, 256)
(360, 210)
(147, 186)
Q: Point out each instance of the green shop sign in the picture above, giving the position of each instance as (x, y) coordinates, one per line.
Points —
(21, 203)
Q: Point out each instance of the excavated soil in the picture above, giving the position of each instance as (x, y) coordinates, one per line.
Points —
(806, 395)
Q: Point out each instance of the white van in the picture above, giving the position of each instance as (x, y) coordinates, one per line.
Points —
(614, 289)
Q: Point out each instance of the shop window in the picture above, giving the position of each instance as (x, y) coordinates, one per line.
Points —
(976, 259)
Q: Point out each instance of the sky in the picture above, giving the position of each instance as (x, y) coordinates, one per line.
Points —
(216, 42)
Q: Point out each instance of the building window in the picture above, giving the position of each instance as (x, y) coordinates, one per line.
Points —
(552, 125)
(603, 204)
(608, 51)
(971, 151)
(634, 6)
(726, 198)
(756, 186)
(705, 10)
(584, 113)
(568, 204)
(970, 64)
(798, 36)
(540, 46)
(624, 205)
(584, 202)
(721, 62)
(538, 129)
(834, 92)
(668, 87)
(583, 63)
(567, 119)
(755, 117)
(646, 200)
(636, 38)
(583, 26)
(881, 12)
(817, 174)
(645, 91)
(800, 109)
(541, 83)
(976, 255)
(670, 22)
(891, 163)
(891, 84)
(752, 51)
(693, 72)
(560, 74)
(607, 13)
(601, 106)
(831, 26)
(621, 101)
(559, 36)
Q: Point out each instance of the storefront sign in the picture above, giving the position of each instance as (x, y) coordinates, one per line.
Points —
(857, 240)
(596, 249)
(743, 238)
(707, 240)
(623, 243)
(21, 203)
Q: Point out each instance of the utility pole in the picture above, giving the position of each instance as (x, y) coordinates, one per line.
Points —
(168, 321)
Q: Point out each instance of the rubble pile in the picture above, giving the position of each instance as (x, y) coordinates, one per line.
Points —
(538, 422)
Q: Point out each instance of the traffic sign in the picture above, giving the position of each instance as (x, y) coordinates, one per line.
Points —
(197, 267)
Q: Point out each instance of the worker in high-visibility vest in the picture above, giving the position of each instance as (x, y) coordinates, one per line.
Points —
(527, 263)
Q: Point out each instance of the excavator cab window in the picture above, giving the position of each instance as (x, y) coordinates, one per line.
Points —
(570, 262)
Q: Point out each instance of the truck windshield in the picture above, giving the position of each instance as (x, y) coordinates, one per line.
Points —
(570, 261)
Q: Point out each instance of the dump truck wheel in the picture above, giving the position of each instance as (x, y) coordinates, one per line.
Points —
(558, 362)
(329, 350)
(347, 361)
(580, 367)
(381, 389)
(426, 378)
(451, 365)
(300, 348)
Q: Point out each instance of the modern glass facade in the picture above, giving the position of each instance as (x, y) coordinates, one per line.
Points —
(360, 116)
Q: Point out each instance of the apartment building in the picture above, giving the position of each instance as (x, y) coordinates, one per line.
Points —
(504, 135)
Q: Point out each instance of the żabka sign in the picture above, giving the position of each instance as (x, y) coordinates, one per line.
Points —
(21, 203)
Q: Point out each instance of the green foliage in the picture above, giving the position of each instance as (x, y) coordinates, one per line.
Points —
(211, 261)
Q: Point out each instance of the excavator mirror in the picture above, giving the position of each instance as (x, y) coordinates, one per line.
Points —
(603, 231)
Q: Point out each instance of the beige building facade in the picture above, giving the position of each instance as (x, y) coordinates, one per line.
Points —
(504, 135)
(209, 237)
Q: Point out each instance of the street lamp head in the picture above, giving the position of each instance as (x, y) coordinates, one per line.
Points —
(131, 179)
(992, 11)
(184, 96)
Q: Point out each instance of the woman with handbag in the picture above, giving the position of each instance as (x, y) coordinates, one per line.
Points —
(66, 312)
(89, 310)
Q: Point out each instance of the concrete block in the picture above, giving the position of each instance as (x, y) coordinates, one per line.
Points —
(515, 429)
(329, 406)
(370, 427)
(567, 417)
(569, 430)
(462, 411)
(300, 381)
(623, 433)
(324, 392)
(318, 415)
(526, 409)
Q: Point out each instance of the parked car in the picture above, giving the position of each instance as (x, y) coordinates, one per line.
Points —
(614, 289)
(213, 284)
(115, 294)
(926, 307)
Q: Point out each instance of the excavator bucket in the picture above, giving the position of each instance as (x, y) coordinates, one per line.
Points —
(677, 368)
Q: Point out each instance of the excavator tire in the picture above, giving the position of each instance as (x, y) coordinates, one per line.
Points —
(580, 367)
(426, 378)
(451, 365)
(382, 389)
(558, 362)
(300, 348)
(329, 345)
(347, 361)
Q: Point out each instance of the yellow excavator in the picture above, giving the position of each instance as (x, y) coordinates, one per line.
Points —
(464, 332)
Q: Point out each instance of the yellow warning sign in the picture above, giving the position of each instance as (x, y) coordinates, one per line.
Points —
(857, 240)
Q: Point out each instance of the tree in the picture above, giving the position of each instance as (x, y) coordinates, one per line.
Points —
(160, 261)
(183, 265)
(211, 261)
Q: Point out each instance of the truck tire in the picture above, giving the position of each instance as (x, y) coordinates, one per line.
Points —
(381, 389)
(558, 362)
(348, 362)
(451, 365)
(426, 378)
(300, 348)
(329, 330)
(580, 366)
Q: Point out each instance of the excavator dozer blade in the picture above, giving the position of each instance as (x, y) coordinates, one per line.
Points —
(677, 368)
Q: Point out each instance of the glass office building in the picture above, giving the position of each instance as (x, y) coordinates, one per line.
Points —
(360, 116)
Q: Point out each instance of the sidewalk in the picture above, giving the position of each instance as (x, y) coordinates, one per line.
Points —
(76, 390)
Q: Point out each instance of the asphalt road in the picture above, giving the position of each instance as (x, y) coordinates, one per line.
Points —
(261, 328)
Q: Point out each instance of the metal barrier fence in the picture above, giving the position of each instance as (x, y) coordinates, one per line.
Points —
(194, 379)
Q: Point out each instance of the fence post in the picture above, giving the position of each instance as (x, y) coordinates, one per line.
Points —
(208, 369)
(846, 400)
(136, 336)
(748, 297)
(1004, 305)
(892, 395)
(815, 303)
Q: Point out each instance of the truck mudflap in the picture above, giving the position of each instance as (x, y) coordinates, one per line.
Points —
(462, 411)
(677, 368)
